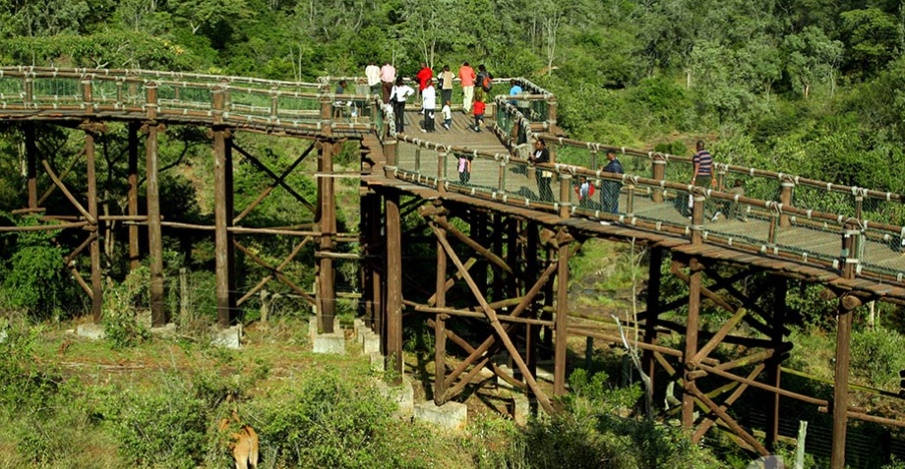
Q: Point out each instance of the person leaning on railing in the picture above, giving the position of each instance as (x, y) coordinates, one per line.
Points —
(545, 177)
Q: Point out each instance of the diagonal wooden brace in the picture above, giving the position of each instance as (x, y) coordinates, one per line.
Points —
(501, 332)
(279, 268)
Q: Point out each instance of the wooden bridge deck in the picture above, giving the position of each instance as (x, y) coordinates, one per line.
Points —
(809, 241)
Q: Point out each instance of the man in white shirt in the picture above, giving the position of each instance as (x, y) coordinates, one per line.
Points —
(429, 105)
(372, 72)
(388, 77)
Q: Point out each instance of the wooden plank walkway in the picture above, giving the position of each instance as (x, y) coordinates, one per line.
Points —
(805, 242)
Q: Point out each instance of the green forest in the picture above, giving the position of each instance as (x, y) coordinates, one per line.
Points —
(806, 87)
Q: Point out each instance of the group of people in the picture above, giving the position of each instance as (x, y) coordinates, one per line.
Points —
(395, 93)
(610, 189)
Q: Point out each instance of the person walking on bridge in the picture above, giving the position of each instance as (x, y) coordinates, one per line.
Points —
(544, 177)
(446, 84)
(609, 188)
(467, 77)
(398, 96)
(423, 76)
(703, 175)
(429, 106)
(388, 77)
(372, 72)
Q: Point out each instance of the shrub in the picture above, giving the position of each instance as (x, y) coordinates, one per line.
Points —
(36, 281)
(329, 421)
(122, 327)
(877, 355)
(159, 428)
(24, 382)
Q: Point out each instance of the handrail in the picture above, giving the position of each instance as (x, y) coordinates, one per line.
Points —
(498, 186)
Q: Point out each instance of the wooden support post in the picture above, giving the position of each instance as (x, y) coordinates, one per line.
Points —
(785, 198)
(653, 311)
(565, 195)
(97, 299)
(659, 173)
(223, 238)
(691, 335)
(134, 250)
(562, 320)
(326, 276)
(31, 152)
(547, 311)
(697, 218)
(478, 234)
(442, 157)
(774, 374)
(552, 111)
(440, 327)
(152, 195)
(394, 287)
(375, 228)
(533, 334)
(844, 313)
(389, 152)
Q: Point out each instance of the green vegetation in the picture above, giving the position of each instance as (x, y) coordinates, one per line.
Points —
(812, 88)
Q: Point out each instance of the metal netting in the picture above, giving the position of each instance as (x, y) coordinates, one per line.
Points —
(57, 90)
(12, 89)
(105, 92)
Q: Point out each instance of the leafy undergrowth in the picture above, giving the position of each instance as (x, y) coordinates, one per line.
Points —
(71, 402)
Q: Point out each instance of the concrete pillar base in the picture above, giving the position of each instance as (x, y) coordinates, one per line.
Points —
(91, 331)
(452, 416)
(230, 337)
(403, 396)
(334, 343)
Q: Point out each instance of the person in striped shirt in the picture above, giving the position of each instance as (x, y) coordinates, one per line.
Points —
(703, 176)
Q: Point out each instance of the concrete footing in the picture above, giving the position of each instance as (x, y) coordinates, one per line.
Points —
(521, 409)
(230, 337)
(333, 343)
(378, 362)
(402, 395)
(452, 416)
(90, 331)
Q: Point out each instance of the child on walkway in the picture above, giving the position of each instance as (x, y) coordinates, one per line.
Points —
(479, 108)
(447, 115)
(464, 168)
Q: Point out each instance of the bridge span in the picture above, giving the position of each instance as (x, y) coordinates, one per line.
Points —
(506, 276)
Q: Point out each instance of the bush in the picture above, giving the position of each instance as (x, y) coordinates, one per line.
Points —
(329, 421)
(36, 281)
(121, 326)
(166, 429)
(877, 356)
(25, 384)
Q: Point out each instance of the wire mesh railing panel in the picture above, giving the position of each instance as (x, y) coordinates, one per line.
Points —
(297, 106)
(12, 90)
(819, 199)
(61, 91)
(105, 92)
(249, 102)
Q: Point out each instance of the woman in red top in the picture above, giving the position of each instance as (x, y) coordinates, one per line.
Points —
(424, 75)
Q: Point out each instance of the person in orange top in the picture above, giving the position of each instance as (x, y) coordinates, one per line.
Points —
(467, 76)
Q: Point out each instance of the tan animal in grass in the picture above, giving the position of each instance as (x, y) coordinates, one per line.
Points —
(243, 443)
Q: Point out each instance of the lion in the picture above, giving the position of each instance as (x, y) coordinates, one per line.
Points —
(243, 443)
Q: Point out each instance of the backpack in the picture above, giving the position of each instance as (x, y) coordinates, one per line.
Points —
(486, 84)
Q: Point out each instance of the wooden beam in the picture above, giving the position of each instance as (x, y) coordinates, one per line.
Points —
(495, 323)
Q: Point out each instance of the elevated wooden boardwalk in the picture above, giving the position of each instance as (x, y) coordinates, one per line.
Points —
(503, 266)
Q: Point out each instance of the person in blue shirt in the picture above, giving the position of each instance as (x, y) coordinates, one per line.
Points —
(516, 90)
